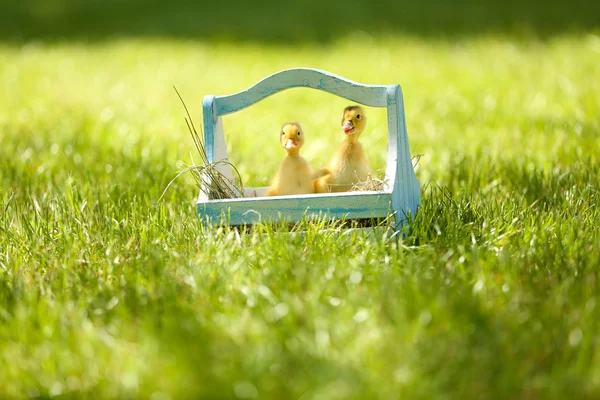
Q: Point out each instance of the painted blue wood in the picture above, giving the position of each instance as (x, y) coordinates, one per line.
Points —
(399, 171)
(369, 95)
(351, 205)
(209, 119)
(401, 196)
(214, 139)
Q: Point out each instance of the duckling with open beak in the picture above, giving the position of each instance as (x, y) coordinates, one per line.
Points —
(348, 166)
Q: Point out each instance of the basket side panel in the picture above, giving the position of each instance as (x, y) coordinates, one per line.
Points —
(295, 208)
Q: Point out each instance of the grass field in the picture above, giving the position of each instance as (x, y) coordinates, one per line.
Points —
(107, 293)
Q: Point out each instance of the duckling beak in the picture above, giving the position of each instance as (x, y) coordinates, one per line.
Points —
(348, 127)
(290, 144)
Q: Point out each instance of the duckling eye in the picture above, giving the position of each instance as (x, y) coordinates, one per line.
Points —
(298, 133)
(282, 133)
(357, 116)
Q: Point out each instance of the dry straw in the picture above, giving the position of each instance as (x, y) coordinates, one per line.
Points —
(376, 184)
(207, 174)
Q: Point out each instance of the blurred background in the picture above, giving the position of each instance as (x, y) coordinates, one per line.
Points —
(102, 72)
(105, 290)
(269, 21)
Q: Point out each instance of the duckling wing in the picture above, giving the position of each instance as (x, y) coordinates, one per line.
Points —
(321, 172)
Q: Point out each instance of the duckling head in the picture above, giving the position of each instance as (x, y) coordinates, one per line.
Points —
(354, 121)
(292, 137)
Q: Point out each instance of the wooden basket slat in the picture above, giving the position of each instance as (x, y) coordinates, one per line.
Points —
(401, 194)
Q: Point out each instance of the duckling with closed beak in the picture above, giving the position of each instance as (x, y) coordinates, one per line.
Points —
(294, 175)
(348, 165)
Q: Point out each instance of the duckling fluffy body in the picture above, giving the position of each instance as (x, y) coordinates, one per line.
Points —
(348, 165)
(294, 175)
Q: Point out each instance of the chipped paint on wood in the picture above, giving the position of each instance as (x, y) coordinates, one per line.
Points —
(400, 197)
(247, 211)
(369, 95)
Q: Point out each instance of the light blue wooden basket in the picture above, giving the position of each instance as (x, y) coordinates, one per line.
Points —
(399, 198)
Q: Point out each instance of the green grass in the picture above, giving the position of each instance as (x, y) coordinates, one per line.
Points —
(492, 294)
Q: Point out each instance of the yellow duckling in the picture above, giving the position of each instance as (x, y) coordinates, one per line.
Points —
(349, 165)
(294, 175)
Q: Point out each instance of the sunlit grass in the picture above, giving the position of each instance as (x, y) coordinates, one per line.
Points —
(493, 293)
